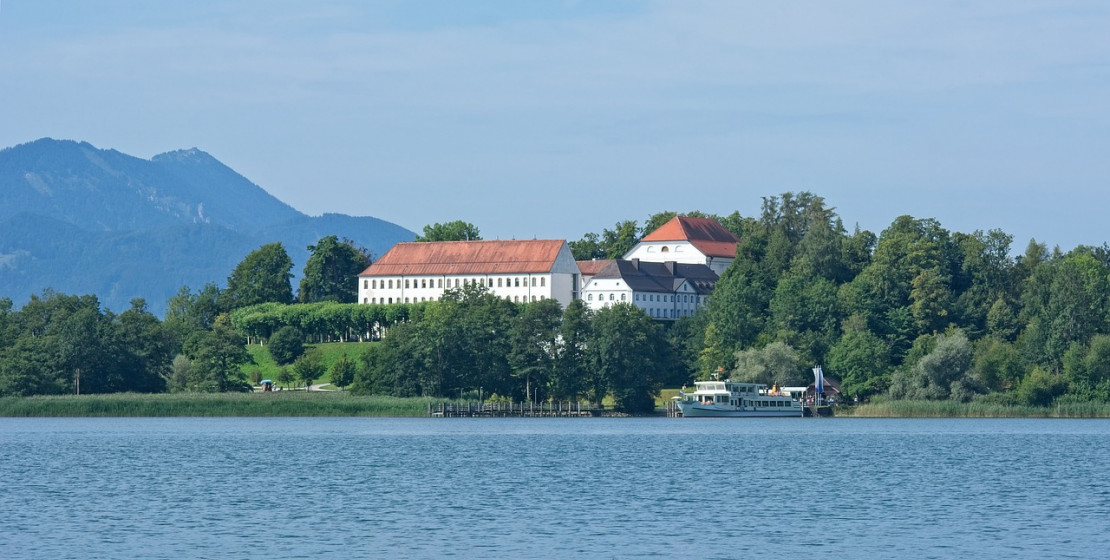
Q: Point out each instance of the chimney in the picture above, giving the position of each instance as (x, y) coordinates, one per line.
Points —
(636, 264)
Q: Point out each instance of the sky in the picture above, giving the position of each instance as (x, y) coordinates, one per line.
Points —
(551, 119)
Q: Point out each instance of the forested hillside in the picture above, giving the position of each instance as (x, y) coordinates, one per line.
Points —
(914, 312)
(77, 219)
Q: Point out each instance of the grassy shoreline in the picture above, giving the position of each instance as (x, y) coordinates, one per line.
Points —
(335, 403)
(953, 409)
(281, 403)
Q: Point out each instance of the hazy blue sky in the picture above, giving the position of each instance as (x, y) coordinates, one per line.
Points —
(552, 119)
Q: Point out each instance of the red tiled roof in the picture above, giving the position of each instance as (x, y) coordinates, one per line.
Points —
(707, 234)
(590, 268)
(467, 257)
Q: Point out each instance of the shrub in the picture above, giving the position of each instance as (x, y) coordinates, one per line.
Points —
(286, 345)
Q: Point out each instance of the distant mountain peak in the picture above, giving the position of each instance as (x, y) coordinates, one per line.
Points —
(189, 155)
(143, 228)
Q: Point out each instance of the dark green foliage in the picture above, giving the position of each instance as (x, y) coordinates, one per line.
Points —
(862, 362)
(457, 230)
(998, 365)
(309, 367)
(916, 312)
(215, 356)
(1040, 388)
(588, 248)
(533, 346)
(568, 378)
(940, 374)
(611, 244)
(286, 345)
(262, 277)
(67, 344)
(331, 273)
(776, 363)
(189, 312)
(285, 377)
(343, 371)
(624, 353)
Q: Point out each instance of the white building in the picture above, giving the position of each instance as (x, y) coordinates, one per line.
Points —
(690, 241)
(665, 291)
(519, 271)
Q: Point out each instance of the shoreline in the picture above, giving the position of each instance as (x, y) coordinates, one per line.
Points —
(341, 404)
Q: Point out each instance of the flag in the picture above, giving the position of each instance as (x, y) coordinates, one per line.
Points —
(818, 381)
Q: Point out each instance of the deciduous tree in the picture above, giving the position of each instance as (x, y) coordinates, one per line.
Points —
(309, 367)
(624, 351)
(331, 273)
(262, 276)
(457, 230)
(286, 345)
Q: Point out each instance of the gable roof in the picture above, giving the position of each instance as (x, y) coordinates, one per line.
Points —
(644, 276)
(707, 234)
(467, 257)
(589, 268)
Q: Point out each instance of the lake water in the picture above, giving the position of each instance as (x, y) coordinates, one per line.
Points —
(544, 488)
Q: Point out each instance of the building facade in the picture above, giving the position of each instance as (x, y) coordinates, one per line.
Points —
(665, 291)
(689, 241)
(519, 271)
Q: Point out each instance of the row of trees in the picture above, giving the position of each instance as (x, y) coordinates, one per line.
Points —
(67, 344)
(915, 312)
(329, 275)
(60, 343)
(473, 342)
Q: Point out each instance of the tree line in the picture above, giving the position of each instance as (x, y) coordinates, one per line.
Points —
(472, 343)
(914, 312)
(58, 343)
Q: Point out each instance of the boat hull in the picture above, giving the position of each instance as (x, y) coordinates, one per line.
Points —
(696, 410)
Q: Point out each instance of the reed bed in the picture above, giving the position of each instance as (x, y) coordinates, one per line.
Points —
(281, 403)
(953, 409)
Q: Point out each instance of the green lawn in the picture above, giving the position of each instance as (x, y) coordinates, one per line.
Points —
(331, 352)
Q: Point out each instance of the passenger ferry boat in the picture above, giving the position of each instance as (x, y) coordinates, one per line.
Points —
(732, 399)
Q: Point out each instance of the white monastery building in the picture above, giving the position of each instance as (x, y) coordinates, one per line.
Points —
(669, 274)
(690, 241)
(665, 291)
(518, 271)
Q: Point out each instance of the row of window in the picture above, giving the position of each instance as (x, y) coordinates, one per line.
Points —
(683, 298)
(512, 282)
(670, 313)
(601, 297)
(384, 301)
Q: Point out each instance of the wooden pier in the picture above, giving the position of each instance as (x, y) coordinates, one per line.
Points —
(471, 409)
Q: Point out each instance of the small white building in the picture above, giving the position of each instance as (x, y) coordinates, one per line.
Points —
(519, 271)
(665, 291)
(690, 241)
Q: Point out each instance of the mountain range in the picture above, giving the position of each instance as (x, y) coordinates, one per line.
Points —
(81, 220)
